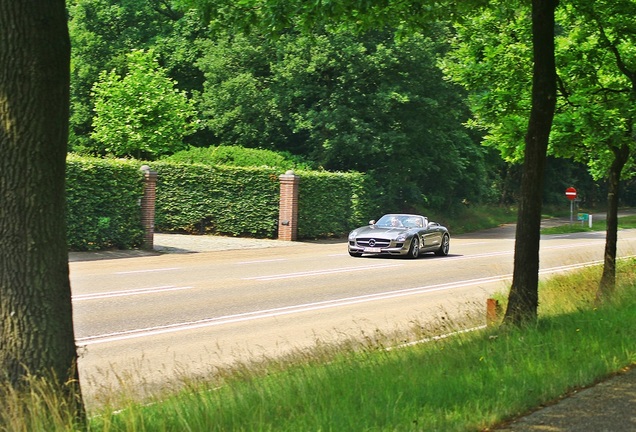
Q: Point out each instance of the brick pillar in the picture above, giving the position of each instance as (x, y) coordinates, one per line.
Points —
(288, 208)
(148, 206)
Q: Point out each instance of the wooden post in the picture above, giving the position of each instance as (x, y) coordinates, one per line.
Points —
(493, 312)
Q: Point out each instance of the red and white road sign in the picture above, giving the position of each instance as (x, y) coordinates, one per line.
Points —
(570, 193)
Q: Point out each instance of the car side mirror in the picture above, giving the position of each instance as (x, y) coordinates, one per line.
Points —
(372, 222)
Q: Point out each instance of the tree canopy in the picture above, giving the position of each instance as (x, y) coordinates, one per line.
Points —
(596, 67)
(369, 103)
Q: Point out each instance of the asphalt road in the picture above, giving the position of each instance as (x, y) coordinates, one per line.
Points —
(145, 322)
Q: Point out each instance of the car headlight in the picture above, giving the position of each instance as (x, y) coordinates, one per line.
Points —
(353, 234)
(401, 237)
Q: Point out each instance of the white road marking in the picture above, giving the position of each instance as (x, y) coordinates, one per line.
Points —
(111, 294)
(270, 313)
(261, 261)
(318, 272)
(511, 252)
(148, 271)
(473, 243)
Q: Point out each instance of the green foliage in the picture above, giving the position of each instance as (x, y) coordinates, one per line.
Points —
(370, 103)
(474, 218)
(239, 156)
(491, 57)
(243, 201)
(102, 198)
(235, 201)
(280, 16)
(140, 114)
(102, 33)
(332, 204)
(597, 64)
(344, 99)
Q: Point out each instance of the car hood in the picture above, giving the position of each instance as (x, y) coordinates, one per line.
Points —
(377, 232)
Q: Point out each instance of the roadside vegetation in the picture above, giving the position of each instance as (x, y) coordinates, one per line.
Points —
(473, 217)
(626, 222)
(437, 377)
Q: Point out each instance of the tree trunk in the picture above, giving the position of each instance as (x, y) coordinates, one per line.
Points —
(608, 280)
(524, 296)
(36, 322)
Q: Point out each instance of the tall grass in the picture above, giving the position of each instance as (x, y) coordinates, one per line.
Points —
(470, 381)
(38, 405)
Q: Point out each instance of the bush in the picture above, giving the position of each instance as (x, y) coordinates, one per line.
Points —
(240, 201)
(239, 156)
(331, 204)
(102, 197)
(201, 199)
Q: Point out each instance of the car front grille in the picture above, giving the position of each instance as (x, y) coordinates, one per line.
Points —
(373, 242)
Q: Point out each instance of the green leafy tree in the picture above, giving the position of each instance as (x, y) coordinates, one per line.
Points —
(597, 75)
(523, 300)
(595, 115)
(103, 32)
(491, 56)
(141, 114)
(364, 102)
(36, 320)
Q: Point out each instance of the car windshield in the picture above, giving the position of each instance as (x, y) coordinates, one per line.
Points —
(400, 221)
(389, 221)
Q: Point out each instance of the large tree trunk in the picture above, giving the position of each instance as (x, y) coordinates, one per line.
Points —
(36, 323)
(608, 280)
(524, 296)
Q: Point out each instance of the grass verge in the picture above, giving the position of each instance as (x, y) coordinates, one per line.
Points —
(475, 218)
(626, 222)
(469, 381)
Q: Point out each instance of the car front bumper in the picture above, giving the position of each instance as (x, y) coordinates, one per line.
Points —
(389, 248)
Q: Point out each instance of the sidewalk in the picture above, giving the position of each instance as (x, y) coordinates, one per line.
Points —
(183, 244)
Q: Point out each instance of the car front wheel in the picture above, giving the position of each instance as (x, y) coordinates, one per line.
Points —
(444, 247)
(414, 250)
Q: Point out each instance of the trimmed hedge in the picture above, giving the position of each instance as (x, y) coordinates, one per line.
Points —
(331, 204)
(244, 201)
(202, 199)
(102, 203)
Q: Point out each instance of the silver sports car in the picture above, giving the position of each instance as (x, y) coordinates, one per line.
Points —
(399, 234)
